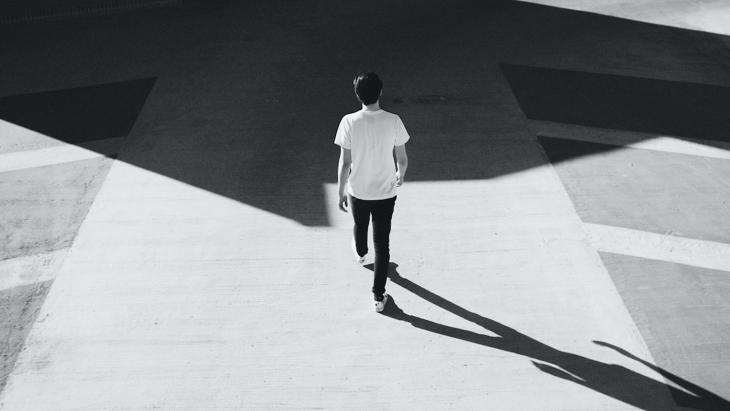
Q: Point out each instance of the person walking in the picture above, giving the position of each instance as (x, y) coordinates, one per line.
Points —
(368, 176)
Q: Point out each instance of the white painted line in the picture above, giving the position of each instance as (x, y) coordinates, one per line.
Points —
(698, 253)
(44, 156)
(671, 144)
(675, 145)
(22, 148)
(711, 16)
(15, 138)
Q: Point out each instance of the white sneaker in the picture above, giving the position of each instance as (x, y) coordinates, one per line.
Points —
(380, 305)
(358, 259)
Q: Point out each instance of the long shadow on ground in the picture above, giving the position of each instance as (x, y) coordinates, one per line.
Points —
(613, 380)
(243, 99)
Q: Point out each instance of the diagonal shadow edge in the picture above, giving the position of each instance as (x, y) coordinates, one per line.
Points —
(111, 109)
(21, 305)
(80, 114)
(684, 109)
(107, 112)
(681, 382)
(311, 210)
(613, 380)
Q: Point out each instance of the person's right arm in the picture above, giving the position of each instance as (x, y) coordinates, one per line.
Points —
(401, 158)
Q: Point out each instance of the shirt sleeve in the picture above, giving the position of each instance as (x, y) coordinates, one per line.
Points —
(401, 135)
(343, 137)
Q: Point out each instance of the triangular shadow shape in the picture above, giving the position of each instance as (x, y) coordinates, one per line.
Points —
(81, 114)
(611, 101)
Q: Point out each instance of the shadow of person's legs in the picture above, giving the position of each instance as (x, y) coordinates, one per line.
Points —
(705, 399)
(609, 379)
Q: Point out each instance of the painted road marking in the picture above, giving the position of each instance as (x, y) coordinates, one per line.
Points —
(44, 157)
(66, 153)
(632, 139)
(22, 148)
(654, 246)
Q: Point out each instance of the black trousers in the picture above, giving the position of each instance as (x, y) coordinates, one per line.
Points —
(382, 213)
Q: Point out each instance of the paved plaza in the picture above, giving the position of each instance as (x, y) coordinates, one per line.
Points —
(168, 193)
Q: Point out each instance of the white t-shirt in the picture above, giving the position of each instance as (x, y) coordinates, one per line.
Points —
(371, 136)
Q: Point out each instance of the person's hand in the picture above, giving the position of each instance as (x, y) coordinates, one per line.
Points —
(343, 202)
(398, 179)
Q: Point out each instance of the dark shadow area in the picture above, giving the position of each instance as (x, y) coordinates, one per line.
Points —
(609, 379)
(622, 102)
(13, 11)
(711, 399)
(247, 97)
(249, 94)
(82, 114)
(561, 149)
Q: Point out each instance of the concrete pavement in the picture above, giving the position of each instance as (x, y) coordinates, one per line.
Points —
(193, 257)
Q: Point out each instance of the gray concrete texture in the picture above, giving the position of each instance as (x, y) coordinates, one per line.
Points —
(168, 182)
(43, 207)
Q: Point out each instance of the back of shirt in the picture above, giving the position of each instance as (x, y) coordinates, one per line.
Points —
(371, 136)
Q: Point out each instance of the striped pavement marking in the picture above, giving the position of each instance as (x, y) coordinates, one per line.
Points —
(632, 139)
(655, 246)
(23, 149)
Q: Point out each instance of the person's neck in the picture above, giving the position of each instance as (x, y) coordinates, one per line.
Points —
(372, 107)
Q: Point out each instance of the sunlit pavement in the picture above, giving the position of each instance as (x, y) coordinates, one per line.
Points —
(172, 237)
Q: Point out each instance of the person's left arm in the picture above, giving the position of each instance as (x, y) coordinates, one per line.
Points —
(343, 173)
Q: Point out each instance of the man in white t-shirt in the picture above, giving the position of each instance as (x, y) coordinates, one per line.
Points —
(368, 177)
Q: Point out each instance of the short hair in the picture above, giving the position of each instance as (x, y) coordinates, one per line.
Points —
(367, 87)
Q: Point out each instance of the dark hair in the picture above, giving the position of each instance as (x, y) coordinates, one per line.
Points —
(367, 87)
